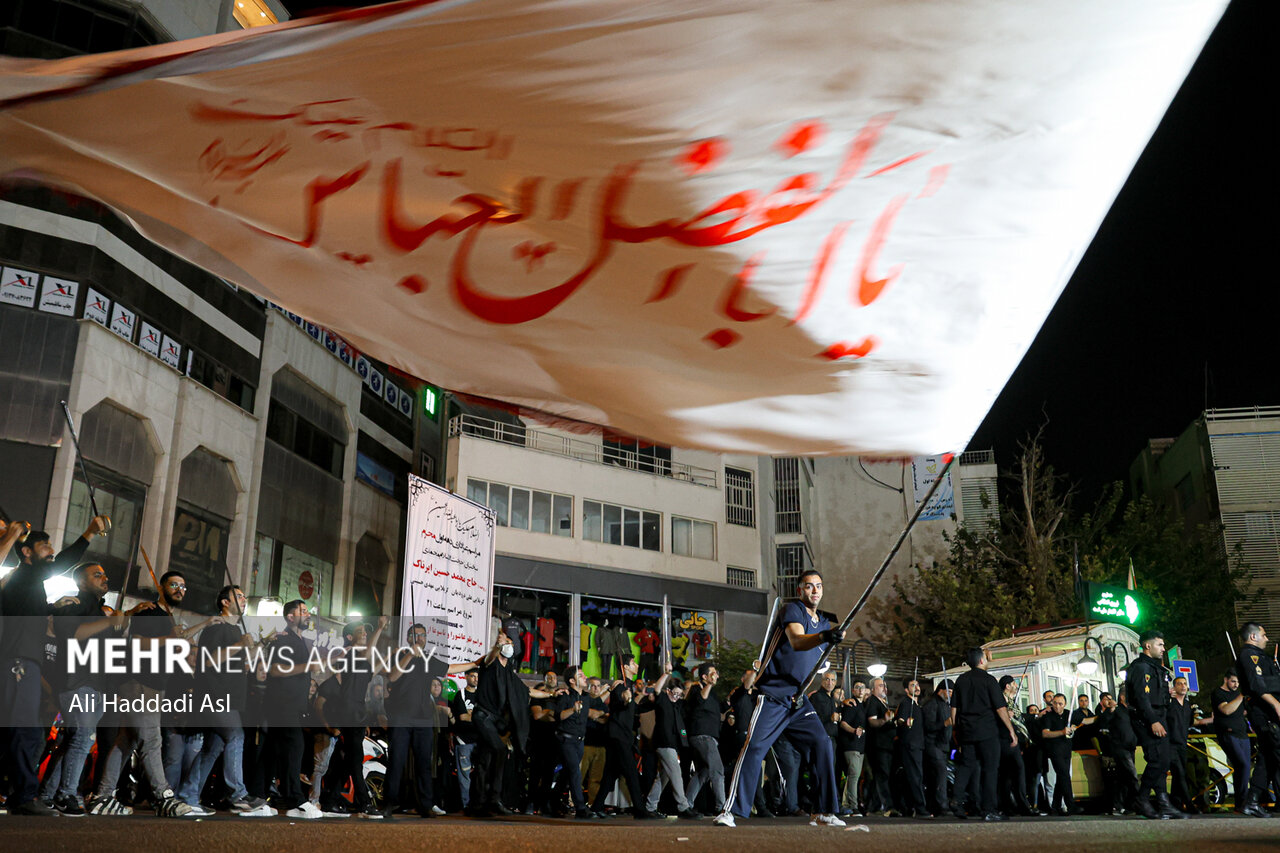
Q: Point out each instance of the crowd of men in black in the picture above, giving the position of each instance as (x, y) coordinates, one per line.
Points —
(293, 738)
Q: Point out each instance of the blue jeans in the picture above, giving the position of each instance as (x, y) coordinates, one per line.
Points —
(181, 746)
(462, 752)
(84, 718)
(225, 739)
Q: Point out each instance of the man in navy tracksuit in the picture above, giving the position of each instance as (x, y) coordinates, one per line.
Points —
(795, 644)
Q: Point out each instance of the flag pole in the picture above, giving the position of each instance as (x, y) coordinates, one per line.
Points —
(875, 579)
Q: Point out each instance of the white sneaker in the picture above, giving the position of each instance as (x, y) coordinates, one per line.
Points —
(263, 810)
(438, 812)
(725, 819)
(825, 820)
(306, 811)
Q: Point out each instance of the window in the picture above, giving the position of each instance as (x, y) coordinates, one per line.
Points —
(637, 455)
(786, 494)
(304, 439)
(791, 562)
(524, 509)
(692, 538)
(739, 497)
(618, 525)
(740, 577)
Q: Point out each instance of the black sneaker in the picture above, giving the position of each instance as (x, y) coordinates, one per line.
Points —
(690, 814)
(35, 808)
(69, 806)
(370, 813)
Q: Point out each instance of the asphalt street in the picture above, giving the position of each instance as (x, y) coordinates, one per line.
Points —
(1209, 833)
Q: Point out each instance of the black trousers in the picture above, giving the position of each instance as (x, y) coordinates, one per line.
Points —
(1126, 779)
(284, 754)
(1061, 761)
(881, 759)
(420, 741)
(1156, 751)
(935, 773)
(620, 762)
(649, 666)
(1178, 786)
(544, 753)
(21, 745)
(488, 760)
(912, 761)
(979, 761)
(571, 749)
(1013, 777)
(347, 763)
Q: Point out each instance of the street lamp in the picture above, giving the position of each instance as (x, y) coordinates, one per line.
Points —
(1120, 672)
(876, 669)
(1087, 665)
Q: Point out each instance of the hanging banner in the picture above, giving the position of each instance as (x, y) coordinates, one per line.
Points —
(924, 471)
(741, 225)
(448, 573)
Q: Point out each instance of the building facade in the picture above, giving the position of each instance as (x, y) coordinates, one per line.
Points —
(1225, 467)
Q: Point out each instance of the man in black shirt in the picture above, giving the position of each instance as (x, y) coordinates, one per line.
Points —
(81, 697)
(1115, 732)
(223, 658)
(704, 715)
(572, 711)
(502, 701)
(1056, 733)
(1260, 683)
(1233, 736)
(909, 748)
(412, 721)
(25, 606)
(670, 735)
(979, 713)
(149, 628)
(1013, 774)
(463, 705)
(937, 745)
(1181, 717)
(357, 669)
(1147, 686)
(594, 746)
(1080, 711)
(287, 699)
(620, 734)
(880, 747)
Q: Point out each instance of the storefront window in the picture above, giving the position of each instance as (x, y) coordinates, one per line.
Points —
(693, 637)
(613, 628)
(122, 501)
(307, 577)
(545, 617)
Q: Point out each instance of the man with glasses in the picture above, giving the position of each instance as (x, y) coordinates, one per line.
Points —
(795, 645)
(151, 627)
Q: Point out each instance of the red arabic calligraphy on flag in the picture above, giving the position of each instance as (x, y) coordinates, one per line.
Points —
(808, 227)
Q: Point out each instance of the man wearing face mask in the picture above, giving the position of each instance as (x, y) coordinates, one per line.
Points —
(502, 702)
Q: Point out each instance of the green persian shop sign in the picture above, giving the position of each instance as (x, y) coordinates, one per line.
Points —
(1114, 604)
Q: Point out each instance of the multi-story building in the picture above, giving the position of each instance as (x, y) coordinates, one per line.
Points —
(597, 531)
(1225, 467)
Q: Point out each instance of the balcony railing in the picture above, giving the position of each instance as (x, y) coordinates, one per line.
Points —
(977, 457)
(544, 441)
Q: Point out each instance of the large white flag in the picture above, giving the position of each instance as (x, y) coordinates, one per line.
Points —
(811, 226)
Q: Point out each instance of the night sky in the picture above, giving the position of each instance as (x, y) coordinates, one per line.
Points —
(1175, 284)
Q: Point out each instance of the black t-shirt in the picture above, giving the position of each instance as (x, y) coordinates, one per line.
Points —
(355, 682)
(155, 622)
(24, 599)
(287, 696)
(228, 679)
(1228, 724)
(409, 700)
(66, 620)
(622, 715)
(855, 716)
(1117, 725)
(937, 734)
(334, 698)
(1052, 722)
(574, 725)
(669, 726)
(596, 728)
(977, 697)
(882, 737)
(463, 702)
(825, 704)
(1178, 720)
(912, 736)
(702, 715)
(744, 707)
